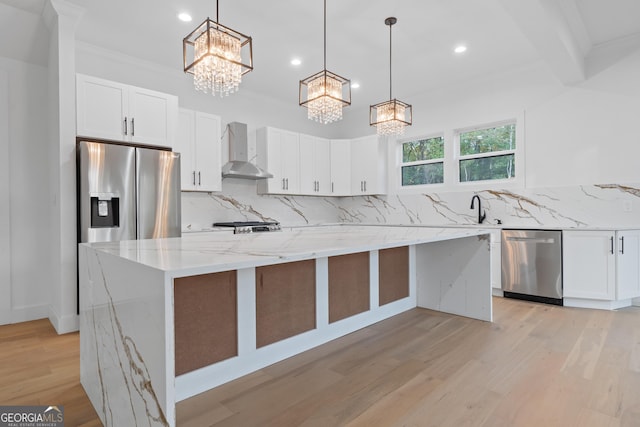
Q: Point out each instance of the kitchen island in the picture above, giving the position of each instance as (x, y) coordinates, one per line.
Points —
(162, 320)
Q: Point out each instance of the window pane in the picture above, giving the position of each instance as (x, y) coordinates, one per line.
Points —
(486, 168)
(424, 149)
(488, 140)
(431, 173)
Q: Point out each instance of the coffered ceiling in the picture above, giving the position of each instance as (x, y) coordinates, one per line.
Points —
(499, 34)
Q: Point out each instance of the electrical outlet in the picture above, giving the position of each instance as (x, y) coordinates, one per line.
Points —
(627, 205)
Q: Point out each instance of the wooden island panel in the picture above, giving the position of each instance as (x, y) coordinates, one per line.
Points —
(206, 324)
(349, 287)
(393, 270)
(285, 300)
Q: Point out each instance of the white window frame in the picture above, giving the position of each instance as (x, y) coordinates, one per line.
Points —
(442, 160)
(518, 178)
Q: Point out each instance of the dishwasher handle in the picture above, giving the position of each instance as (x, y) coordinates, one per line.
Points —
(531, 239)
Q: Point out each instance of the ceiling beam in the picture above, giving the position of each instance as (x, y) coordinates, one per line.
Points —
(554, 29)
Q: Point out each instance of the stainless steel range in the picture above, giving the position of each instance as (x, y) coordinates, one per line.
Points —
(250, 226)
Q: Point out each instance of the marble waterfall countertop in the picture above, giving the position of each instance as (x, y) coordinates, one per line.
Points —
(211, 252)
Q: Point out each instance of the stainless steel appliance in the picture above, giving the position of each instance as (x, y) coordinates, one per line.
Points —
(240, 227)
(532, 265)
(239, 165)
(127, 193)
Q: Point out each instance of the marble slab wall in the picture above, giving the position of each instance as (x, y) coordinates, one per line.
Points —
(587, 206)
(599, 206)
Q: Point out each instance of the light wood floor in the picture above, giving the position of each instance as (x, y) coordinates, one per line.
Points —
(536, 365)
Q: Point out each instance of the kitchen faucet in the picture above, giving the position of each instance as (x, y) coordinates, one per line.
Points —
(481, 216)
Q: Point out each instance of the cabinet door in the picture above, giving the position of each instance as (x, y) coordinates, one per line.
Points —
(268, 149)
(314, 165)
(185, 145)
(628, 264)
(340, 167)
(322, 166)
(153, 117)
(307, 173)
(290, 167)
(101, 108)
(589, 264)
(208, 152)
(368, 171)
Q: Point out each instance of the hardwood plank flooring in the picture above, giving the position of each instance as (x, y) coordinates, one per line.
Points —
(534, 365)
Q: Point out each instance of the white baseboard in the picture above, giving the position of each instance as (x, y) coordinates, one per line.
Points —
(64, 324)
(26, 314)
(497, 292)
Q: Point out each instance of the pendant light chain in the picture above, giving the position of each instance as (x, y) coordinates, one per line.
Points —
(390, 75)
(217, 19)
(325, 34)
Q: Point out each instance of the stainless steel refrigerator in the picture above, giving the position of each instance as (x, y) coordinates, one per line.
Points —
(127, 193)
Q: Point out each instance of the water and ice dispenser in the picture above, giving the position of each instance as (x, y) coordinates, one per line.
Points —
(105, 210)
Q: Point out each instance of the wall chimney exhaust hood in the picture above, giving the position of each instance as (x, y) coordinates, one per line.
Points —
(239, 165)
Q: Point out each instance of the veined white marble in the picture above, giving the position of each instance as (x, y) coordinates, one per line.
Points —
(127, 358)
(222, 251)
(611, 206)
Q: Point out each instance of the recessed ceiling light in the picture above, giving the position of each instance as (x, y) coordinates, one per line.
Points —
(355, 85)
(460, 49)
(184, 17)
(296, 61)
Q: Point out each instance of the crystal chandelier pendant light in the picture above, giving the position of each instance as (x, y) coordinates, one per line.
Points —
(217, 56)
(325, 93)
(390, 117)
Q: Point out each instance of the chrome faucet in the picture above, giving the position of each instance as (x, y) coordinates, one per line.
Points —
(481, 215)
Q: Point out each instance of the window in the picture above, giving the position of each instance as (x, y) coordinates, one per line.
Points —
(422, 161)
(487, 154)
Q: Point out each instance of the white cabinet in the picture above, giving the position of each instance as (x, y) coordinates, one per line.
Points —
(589, 264)
(601, 265)
(368, 166)
(315, 165)
(199, 145)
(278, 152)
(340, 167)
(628, 264)
(115, 111)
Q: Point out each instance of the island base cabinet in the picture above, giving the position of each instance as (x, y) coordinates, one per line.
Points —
(349, 290)
(285, 301)
(205, 313)
(393, 270)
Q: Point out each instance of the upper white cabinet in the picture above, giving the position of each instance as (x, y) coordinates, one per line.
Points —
(278, 152)
(200, 149)
(115, 111)
(315, 165)
(601, 265)
(368, 166)
(340, 167)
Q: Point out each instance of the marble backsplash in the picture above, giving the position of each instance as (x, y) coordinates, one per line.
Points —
(598, 206)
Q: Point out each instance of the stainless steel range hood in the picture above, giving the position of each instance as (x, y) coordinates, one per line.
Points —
(239, 165)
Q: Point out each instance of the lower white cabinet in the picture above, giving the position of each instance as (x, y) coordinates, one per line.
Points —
(601, 265)
(200, 151)
(628, 264)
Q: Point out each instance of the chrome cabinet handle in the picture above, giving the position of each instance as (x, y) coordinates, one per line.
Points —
(194, 177)
(133, 127)
(125, 125)
(622, 245)
(332, 187)
(199, 179)
(283, 183)
(365, 186)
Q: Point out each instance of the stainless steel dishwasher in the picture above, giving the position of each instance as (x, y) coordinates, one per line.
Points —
(532, 265)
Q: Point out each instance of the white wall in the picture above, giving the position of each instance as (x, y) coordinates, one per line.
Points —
(28, 193)
(5, 208)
